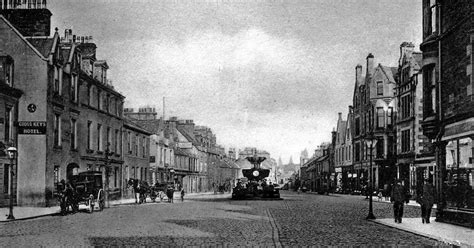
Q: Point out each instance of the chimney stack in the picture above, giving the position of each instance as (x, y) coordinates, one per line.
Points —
(28, 21)
(358, 74)
(340, 115)
(370, 65)
(405, 48)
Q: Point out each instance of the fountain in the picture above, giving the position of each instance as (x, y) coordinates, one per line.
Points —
(256, 186)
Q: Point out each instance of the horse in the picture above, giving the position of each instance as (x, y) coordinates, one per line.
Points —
(67, 198)
(140, 189)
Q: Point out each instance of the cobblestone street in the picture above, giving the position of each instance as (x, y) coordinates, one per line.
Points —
(298, 220)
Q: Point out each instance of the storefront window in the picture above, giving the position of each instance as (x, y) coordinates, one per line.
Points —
(459, 181)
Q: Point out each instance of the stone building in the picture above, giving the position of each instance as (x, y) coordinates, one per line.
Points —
(9, 96)
(381, 121)
(31, 75)
(136, 155)
(359, 173)
(413, 148)
(448, 104)
(339, 151)
(374, 116)
(343, 153)
(66, 93)
(319, 169)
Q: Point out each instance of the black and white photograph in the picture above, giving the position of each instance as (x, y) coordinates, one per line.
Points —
(236, 123)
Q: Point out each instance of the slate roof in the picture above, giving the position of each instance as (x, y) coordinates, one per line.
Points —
(65, 52)
(43, 45)
(389, 72)
(135, 126)
(154, 126)
(188, 136)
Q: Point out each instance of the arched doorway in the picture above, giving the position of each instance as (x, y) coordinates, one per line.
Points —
(71, 170)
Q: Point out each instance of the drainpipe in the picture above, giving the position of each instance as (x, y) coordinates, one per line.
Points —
(440, 164)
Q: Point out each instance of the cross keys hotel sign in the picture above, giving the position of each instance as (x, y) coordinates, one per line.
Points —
(32, 127)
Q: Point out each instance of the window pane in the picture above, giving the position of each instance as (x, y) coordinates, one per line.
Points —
(380, 117)
(379, 88)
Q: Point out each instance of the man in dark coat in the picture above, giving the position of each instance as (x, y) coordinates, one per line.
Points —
(398, 197)
(427, 201)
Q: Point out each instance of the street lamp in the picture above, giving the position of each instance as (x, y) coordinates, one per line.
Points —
(12, 152)
(370, 141)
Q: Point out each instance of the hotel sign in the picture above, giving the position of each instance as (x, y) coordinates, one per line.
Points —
(32, 127)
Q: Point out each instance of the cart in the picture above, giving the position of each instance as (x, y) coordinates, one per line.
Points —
(88, 189)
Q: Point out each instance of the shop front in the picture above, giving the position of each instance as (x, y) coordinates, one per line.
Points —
(421, 170)
(457, 204)
(346, 179)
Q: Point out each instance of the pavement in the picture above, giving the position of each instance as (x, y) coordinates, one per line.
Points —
(452, 234)
(25, 213)
(447, 233)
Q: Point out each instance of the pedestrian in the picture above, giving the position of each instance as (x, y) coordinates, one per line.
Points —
(182, 194)
(398, 198)
(427, 201)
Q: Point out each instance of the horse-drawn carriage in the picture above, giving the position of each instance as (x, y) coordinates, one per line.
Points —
(142, 190)
(86, 188)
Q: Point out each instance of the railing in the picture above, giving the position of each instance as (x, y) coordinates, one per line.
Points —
(22, 4)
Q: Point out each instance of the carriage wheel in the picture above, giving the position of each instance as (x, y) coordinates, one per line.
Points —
(101, 199)
(91, 203)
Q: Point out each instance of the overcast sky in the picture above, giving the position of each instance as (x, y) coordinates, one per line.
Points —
(268, 74)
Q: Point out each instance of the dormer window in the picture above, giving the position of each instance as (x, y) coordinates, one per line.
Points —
(104, 75)
(6, 70)
(58, 79)
(74, 88)
(379, 88)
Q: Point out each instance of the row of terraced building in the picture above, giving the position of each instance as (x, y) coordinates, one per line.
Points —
(64, 116)
(412, 122)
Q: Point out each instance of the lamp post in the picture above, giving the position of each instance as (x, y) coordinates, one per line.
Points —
(12, 152)
(370, 142)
